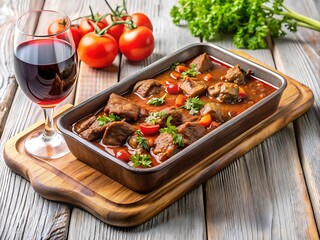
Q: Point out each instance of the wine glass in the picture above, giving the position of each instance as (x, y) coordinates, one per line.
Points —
(46, 67)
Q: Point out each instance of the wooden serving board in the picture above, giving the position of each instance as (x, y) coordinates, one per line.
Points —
(69, 180)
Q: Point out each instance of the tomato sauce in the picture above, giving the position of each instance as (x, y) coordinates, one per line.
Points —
(255, 90)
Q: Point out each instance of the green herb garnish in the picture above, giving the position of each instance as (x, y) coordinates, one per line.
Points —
(250, 21)
(177, 138)
(194, 105)
(157, 101)
(102, 120)
(142, 142)
(143, 160)
(174, 65)
(191, 71)
(154, 117)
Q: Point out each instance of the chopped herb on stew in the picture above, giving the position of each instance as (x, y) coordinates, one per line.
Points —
(143, 160)
(154, 117)
(194, 105)
(177, 138)
(191, 72)
(103, 120)
(157, 101)
(173, 65)
(142, 142)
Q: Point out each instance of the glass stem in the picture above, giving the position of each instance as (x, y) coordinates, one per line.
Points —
(49, 131)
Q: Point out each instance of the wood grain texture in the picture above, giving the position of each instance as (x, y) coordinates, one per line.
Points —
(247, 209)
(68, 179)
(8, 14)
(23, 214)
(298, 55)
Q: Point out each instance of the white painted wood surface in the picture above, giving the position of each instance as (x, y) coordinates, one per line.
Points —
(271, 192)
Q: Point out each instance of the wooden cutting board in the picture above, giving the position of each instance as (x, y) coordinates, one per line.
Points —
(69, 180)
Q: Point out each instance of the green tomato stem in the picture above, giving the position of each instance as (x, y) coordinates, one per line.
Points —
(111, 9)
(114, 23)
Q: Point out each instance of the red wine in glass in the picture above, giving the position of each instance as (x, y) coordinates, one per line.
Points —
(46, 70)
(46, 66)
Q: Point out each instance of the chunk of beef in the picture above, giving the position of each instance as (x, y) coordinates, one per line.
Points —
(164, 147)
(133, 143)
(191, 132)
(225, 92)
(94, 132)
(192, 87)
(203, 63)
(117, 133)
(148, 87)
(122, 107)
(214, 110)
(236, 75)
(179, 116)
(84, 124)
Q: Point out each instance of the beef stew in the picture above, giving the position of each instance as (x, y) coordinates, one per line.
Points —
(163, 115)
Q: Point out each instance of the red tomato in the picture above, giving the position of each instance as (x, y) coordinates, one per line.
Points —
(116, 30)
(140, 19)
(180, 100)
(87, 25)
(137, 44)
(58, 26)
(205, 120)
(181, 68)
(173, 88)
(123, 155)
(76, 34)
(175, 75)
(97, 51)
(148, 129)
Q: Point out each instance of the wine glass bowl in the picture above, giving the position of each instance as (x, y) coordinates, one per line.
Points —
(46, 69)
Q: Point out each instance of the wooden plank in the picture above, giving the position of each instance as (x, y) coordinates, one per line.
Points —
(247, 217)
(298, 55)
(28, 216)
(257, 195)
(21, 208)
(8, 85)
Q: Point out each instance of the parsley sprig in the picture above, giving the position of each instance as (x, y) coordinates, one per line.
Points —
(174, 65)
(194, 105)
(154, 117)
(191, 72)
(143, 160)
(157, 101)
(104, 119)
(177, 138)
(250, 21)
(142, 142)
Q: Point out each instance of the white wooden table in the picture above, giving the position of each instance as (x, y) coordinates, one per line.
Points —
(273, 191)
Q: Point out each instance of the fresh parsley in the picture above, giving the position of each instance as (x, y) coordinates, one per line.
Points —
(250, 21)
(194, 105)
(143, 160)
(191, 72)
(154, 117)
(177, 138)
(174, 65)
(142, 142)
(104, 119)
(157, 101)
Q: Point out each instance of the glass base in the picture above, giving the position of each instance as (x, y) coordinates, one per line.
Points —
(46, 147)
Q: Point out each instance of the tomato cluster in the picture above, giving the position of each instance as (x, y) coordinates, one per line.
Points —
(99, 38)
